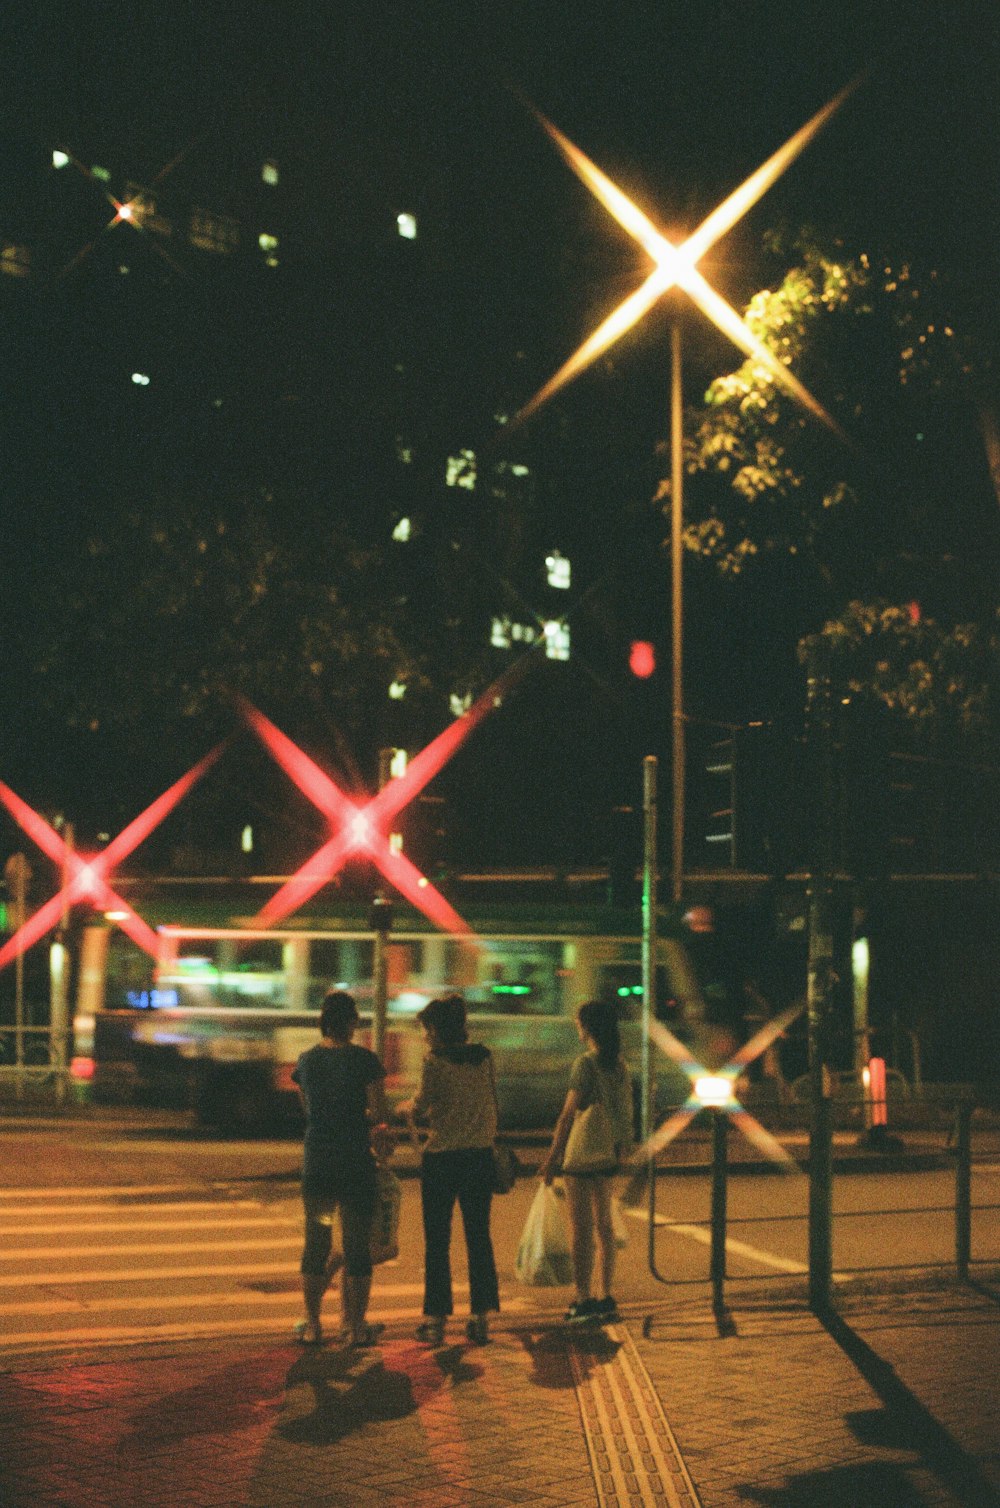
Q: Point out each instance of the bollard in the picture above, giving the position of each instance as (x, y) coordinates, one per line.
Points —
(963, 1191)
(717, 1263)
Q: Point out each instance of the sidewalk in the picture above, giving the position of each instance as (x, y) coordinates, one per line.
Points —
(891, 1403)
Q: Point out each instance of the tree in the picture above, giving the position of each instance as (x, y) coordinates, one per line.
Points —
(890, 540)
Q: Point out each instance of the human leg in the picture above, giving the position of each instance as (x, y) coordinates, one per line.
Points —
(602, 1192)
(356, 1213)
(581, 1224)
(316, 1261)
(437, 1199)
(475, 1197)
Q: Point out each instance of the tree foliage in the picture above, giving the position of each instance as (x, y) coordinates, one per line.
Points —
(892, 531)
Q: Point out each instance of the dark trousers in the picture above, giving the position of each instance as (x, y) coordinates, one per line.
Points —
(468, 1177)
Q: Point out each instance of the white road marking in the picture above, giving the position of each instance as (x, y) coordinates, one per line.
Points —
(228, 1299)
(75, 1191)
(130, 1335)
(68, 1211)
(139, 1249)
(146, 1275)
(91, 1227)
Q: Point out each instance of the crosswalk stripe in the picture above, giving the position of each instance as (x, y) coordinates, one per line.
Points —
(97, 1191)
(66, 1212)
(146, 1275)
(127, 1335)
(143, 1249)
(230, 1299)
(92, 1227)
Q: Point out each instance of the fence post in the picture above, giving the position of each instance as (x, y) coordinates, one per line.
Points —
(717, 1264)
(963, 1190)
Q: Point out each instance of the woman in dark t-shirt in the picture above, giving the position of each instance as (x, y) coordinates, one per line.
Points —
(342, 1089)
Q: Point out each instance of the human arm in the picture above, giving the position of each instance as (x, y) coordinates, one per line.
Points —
(378, 1118)
(552, 1162)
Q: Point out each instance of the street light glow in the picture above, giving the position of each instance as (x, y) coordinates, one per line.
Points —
(677, 265)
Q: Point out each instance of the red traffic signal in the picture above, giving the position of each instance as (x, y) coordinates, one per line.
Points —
(642, 659)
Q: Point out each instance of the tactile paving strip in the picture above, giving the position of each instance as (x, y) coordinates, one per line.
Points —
(633, 1453)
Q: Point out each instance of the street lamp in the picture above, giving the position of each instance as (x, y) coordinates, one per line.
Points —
(676, 266)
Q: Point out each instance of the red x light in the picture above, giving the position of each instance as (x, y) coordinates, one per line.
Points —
(88, 876)
(363, 827)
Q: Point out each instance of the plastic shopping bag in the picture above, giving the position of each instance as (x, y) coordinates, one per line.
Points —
(618, 1223)
(385, 1225)
(543, 1253)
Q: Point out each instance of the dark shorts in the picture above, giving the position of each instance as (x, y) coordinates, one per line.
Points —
(354, 1199)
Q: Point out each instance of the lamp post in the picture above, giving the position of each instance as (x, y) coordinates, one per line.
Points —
(677, 266)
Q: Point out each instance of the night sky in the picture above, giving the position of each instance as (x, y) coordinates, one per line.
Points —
(427, 103)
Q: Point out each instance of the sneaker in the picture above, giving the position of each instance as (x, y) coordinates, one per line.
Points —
(431, 1330)
(580, 1311)
(478, 1330)
(607, 1310)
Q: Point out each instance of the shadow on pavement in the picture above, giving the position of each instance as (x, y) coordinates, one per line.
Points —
(904, 1424)
(874, 1485)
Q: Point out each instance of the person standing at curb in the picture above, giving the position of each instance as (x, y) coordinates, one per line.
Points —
(599, 1076)
(457, 1095)
(342, 1090)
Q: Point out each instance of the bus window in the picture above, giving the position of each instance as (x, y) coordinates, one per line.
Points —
(518, 978)
(622, 983)
(340, 963)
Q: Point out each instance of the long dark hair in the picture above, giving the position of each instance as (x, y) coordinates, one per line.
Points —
(599, 1019)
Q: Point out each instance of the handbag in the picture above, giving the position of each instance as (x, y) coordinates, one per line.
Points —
(590, 1147)
(543, 1259)
(506, 1168)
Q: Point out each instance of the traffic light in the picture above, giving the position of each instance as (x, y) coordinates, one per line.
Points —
(642, 659)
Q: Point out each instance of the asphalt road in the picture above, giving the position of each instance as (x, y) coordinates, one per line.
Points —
(134, 1231)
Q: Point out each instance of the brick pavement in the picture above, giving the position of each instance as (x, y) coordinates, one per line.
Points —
(892, 1403)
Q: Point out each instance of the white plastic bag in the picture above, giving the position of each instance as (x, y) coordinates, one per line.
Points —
(543, 1259)
(618, 1222)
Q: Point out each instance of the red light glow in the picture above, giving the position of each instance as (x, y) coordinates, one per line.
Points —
(642, 659)
(88, 878)
(364, 827)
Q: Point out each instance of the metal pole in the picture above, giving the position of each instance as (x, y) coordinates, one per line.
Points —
(819, 987)
(380, 961)
(677, 603)
(649, 903)
(963, 1191)
(717, 1264)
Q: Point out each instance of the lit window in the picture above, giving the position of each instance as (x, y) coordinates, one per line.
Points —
(395, 842)
(269, 172)
(558, 570)
(15, 261)
(218, 233)
(459, 705)
(246, 839)
(397, 690)
(397, 764)
(518, 470)
(402, 531)
(556, 641)
(522, 633)
(60, 159)
(267, 242)
(461, 470)
(500, 633)
(407, 226)
(102, 174)
(404, 452)
(141, 379)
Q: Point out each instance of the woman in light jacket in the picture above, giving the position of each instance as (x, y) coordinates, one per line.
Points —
(457, 1096)
(599, 1073)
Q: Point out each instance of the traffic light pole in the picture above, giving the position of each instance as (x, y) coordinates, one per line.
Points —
(820, 985)
(677, 604)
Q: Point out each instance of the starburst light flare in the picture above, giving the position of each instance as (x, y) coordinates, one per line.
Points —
(88, 877)
(677, 265)
(713, 1091)
(362, 827)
